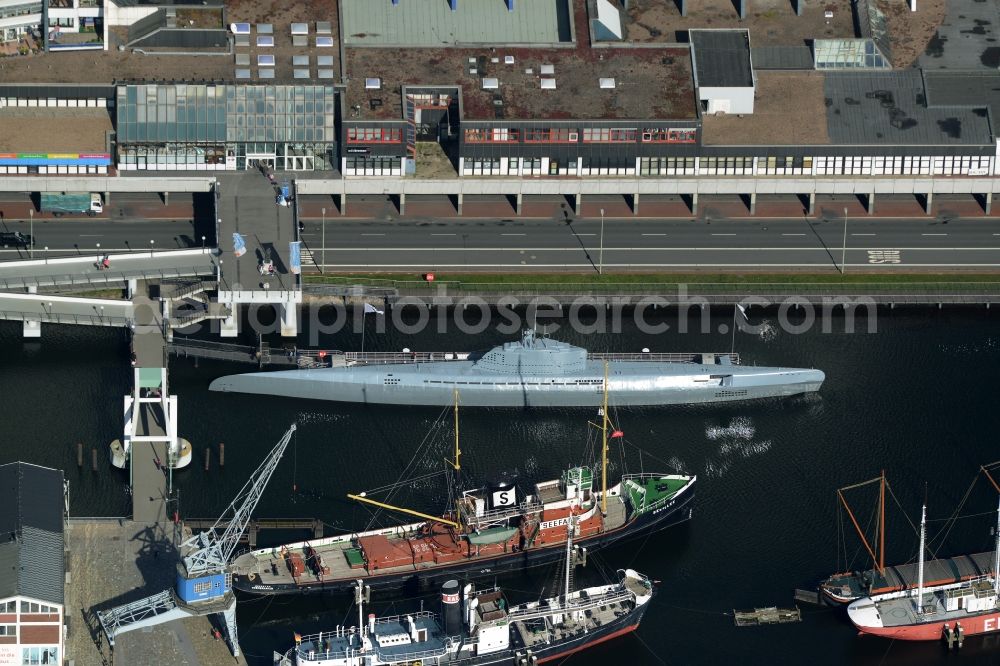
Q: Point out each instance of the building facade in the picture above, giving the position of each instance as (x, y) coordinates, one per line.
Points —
(32, 613)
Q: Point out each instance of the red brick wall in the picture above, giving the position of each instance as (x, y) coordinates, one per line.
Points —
(40, 634)
(40, 617)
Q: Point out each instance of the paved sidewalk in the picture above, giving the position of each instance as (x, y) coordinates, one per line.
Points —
(123, 267)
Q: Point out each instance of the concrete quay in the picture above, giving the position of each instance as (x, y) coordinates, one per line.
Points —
(115, 561)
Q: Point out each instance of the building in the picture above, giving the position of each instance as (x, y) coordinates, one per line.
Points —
(18, 17)
(723, 71)
(32, 565)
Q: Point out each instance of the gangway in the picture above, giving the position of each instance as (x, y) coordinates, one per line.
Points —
(204, 584)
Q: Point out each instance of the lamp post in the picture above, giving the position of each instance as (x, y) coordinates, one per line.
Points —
(202, 243)
(322, 252)
(31, 232)
(843, 252)
(600, 265)
(46, 254)
(152, 243)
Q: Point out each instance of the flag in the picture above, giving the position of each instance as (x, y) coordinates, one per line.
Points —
(369, 309)
(239, 246)
(743, 311)
(295, 256)
(616, 434)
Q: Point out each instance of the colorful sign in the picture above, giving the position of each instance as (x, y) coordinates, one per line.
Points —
(295, 256)
(55, 159)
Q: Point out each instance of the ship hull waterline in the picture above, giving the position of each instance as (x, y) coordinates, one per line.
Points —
(414, 580)
(973, 625)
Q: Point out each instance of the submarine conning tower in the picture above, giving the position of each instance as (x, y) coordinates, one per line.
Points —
(533, 355)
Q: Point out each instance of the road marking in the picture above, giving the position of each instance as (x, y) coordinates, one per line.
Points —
(443, 234)
(644, 234)
(91, 235)
(647, 249)
(373, 234)
(513, 234)
(723, 234)
(793, 234)
(862, 234)
(933, 234)
(884, 257)
(654, 234)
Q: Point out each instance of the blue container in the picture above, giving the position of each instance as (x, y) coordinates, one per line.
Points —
(201, 588)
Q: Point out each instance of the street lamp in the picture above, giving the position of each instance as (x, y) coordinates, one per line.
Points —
(31, 232)
(600, 265)
(322, 251)
(46, 253)
(202, 243)
(843, 252)
(151, 244)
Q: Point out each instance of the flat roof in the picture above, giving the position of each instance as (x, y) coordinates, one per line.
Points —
(432, 23)
(891, 108)
(54, 130)
(789, 110)
(649, 83)
(721, 58)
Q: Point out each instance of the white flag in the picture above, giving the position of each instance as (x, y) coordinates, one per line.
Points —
(369, 309)
(743, 311)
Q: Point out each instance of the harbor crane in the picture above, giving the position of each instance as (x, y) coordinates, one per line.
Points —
(204, 583)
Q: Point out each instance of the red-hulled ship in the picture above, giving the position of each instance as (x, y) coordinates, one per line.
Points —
(932, 612)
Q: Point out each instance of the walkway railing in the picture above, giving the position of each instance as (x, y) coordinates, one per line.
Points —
(101, 277)
(64, 318)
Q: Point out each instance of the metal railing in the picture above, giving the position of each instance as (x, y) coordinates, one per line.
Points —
(65, 318)
(102, 277)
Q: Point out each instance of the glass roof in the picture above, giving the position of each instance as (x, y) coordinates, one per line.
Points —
(848, 54)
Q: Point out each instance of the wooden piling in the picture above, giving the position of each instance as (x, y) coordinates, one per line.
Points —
(93, 458)
(208, 458)
(79, 454)
(222, 454)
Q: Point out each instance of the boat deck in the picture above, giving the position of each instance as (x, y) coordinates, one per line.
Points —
(903, 576)
(541, 631)
(902, 611)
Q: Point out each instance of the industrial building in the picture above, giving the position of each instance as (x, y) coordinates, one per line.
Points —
(385, 91)
(32, 613)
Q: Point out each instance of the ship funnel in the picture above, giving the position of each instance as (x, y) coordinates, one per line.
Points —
(451, 611)
(371, 623)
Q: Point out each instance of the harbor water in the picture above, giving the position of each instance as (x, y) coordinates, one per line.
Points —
(917, 398)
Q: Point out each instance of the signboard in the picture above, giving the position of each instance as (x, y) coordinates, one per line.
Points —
(55, 159)
(979, 172)
(9, 656)
(358, 151)
(295, 256)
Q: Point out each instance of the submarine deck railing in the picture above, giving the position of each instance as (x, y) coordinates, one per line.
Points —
(316, 358)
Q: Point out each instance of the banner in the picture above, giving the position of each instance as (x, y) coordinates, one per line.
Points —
(239, 247)
(295, 256)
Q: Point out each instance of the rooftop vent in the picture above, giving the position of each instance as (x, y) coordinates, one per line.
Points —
(606, 84)
(491, 83)
(324, 42)
(548, 84)
(548, 69)
(508, 60)
(373, 84)
(265, 29)
(300, 28)
(265, 73)
(300, 61)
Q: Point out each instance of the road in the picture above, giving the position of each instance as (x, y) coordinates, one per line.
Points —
(644, 244)
(89, 235)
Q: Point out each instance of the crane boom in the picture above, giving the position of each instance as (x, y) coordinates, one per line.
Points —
(211, 552)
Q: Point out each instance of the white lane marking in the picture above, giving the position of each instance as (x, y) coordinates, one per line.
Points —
(639, 265)
(723, 234)
(654, 234)
(643, 234)
(793, 234)
(444, 234)
(933, 234)
(91, 235)
(862, 234)
(370, 234)
(513, 234)
(648, 249)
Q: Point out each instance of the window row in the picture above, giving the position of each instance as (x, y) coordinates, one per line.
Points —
(372, 166)
(573, 135)
(29, 607)
(374, 135)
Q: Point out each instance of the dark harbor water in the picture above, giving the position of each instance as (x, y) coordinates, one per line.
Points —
(917, 398)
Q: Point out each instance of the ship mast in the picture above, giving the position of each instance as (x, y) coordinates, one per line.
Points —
(456, 464)
(570, 529)
(604, 446)
(996, 556)
(920, 565)
(881, 526)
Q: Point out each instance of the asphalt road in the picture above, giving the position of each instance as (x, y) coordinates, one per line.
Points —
(628, 243)
(77, 236)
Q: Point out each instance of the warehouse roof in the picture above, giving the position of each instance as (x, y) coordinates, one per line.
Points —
(721, 58)
(31, 532)
(433, 23)
(891, 108)
(965, 89)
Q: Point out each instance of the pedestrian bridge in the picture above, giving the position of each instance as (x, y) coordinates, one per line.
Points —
(83, 269)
